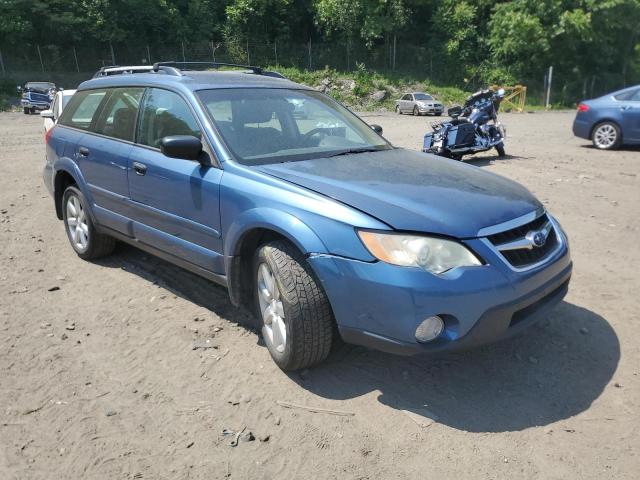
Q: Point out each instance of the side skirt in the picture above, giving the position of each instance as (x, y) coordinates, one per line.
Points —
(214, 277)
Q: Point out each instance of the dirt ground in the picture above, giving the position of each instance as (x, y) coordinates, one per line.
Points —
(99, 378)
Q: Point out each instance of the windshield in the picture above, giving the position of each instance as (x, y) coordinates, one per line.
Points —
(423, 96)
(40, 85)
(268, 125)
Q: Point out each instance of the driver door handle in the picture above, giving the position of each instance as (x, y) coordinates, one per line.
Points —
(83, 151)
(139, 168)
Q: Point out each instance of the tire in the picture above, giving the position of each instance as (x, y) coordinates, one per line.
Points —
(500, 149)
(438, 114)
(398, 111)
(97, 244)
(33, 110)
(606, 136)
(26, 110)
(416, 112)
(301, 308)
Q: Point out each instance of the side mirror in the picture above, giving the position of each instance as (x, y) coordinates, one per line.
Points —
(501, 92)
(455, 111)
(181, 146)
(19, 88)
(47, 114)
(377, 129)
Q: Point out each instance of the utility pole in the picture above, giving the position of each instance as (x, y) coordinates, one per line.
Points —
(549, 86)
(2, 64)
(248, 56)
(183, 57)
(310, 59)
(275, 50)
(148, 54)
(113, 55)
(394, 52)
(75, 56)
(40, 55)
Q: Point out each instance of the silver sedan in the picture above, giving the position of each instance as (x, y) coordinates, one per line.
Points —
(418, 103)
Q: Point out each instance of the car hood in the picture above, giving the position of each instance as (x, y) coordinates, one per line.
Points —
(413, 191)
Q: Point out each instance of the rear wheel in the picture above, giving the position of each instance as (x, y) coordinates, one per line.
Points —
(294, 312)
(606, 136)
(500, 149)
(87, 242)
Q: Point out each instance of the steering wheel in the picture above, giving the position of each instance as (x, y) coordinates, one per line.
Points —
(315, 131)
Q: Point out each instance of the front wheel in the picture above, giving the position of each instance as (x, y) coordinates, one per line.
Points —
(87, 242)
(500, 149)
(606, 136)
(26, 110)
(398, 111)
(294, 312)
(416, 112)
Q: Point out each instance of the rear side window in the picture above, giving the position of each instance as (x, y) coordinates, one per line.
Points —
(629, 95)
(165, 113)
(82, 109)
(118, 116)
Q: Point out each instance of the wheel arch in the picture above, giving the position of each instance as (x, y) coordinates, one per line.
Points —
(606, 120)
(253, 229)
(66, 173)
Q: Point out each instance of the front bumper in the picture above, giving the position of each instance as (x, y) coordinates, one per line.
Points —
(380, 306)
(434, 109)
(37, 105)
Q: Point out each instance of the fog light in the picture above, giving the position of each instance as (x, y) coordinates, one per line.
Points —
(429, 329)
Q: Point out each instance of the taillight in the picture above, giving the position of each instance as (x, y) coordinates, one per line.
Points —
(47, 135)
(583, 108)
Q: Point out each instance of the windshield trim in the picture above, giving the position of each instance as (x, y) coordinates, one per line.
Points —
(235, 158)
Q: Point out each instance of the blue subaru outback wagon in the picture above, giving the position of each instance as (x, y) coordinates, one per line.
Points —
(313, 220)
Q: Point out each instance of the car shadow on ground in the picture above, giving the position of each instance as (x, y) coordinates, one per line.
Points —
(623, 148)
(553, 371)
(486, 160)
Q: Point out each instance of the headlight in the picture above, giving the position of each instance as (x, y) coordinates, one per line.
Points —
(436, 255)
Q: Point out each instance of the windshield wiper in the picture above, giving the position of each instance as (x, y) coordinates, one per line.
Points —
(353, 151)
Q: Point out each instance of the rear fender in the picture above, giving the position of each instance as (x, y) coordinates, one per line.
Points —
(66, 165)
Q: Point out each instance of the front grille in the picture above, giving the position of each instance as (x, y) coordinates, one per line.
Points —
(523, 257)
(39, 97)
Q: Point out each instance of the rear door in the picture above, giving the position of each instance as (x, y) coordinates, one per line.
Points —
(103, 156)
(631, 118)
(175, 201)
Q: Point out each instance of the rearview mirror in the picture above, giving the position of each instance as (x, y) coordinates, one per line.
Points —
(377, 129)
(47, 114)
(181, 146)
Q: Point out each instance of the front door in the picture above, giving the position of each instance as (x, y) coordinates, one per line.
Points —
(175, 202)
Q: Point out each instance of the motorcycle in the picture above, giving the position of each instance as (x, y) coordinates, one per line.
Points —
(470, 130)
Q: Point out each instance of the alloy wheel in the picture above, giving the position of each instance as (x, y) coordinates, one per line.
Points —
(605, 136)
(272, 309)
(77, 223)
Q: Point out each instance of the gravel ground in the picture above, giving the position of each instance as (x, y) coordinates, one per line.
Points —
(99, 378)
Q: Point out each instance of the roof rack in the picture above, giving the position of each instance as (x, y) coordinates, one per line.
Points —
(119, 70)
(177, 66)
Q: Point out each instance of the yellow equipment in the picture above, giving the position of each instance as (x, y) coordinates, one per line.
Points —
(515, 97)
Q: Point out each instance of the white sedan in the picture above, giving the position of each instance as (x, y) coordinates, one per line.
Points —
(59, 102)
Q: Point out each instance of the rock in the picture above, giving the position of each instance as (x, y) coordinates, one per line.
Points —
(247, 437)
(53, 289)
(617, 385)
(71, 326)
(325, 81)
(264, 438)
(111, 413)
(190, 444)
(379, 95)
(64, 336)
(217, 329)
(277, 421)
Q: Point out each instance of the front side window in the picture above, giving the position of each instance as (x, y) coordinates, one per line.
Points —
(118, 116)
(269, 125)
(82, 109)
(407, 97)
(636, 96)
(165, 113)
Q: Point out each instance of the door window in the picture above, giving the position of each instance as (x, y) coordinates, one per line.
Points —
(56, 106)
(118, 117)
(636, 96)
(165, 113)
(82, 109)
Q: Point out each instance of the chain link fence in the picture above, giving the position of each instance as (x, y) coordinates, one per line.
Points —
(70, 65)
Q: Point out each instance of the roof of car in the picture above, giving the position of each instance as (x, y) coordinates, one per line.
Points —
(194, 80)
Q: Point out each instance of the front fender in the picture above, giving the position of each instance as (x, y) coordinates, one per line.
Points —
(287, 225)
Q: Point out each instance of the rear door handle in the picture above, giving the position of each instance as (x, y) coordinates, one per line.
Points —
(83, 151)
(140, 168)
(626, 107)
